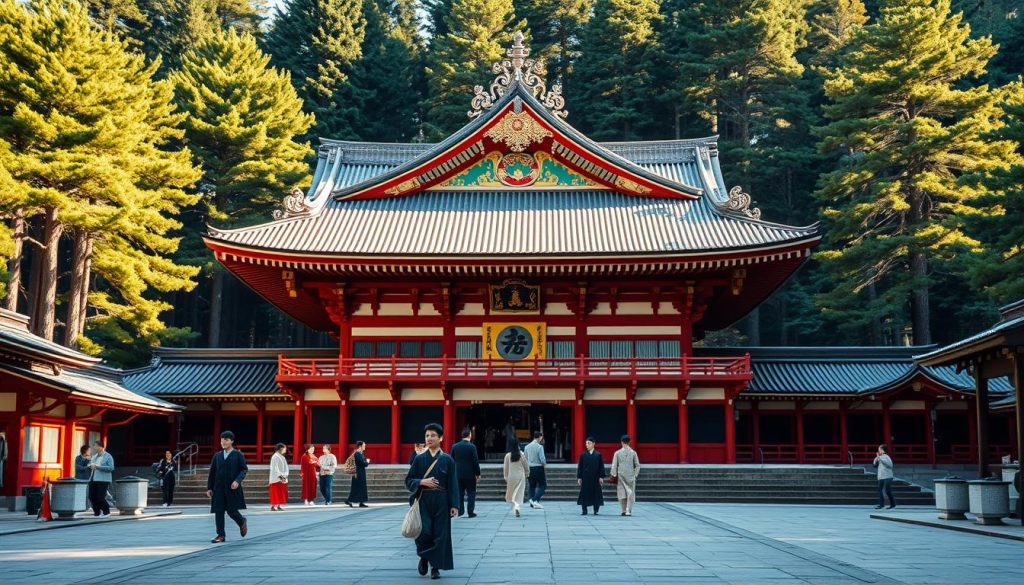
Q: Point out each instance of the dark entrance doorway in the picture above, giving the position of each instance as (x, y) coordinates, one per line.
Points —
(489, 423)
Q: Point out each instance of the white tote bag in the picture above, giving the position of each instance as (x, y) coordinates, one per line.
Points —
(412, 525)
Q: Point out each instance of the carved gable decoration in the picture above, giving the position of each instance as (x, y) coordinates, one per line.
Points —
(517, 170)
(513, 296)
(517, 130)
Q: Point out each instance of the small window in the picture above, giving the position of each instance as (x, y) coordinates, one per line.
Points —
(30, 452)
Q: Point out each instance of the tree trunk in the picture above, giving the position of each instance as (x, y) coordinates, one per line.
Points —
(919, 299)
(34, 268)
(216, 305)
(18, 226)
(876, 322)
(47, 300)
(78, 294)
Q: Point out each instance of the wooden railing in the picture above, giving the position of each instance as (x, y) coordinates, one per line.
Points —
(443, 368)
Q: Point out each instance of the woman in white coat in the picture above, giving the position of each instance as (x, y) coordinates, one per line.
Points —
(278, 478)
(516, 471)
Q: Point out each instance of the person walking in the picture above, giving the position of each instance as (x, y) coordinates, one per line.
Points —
(82, 470)
(537, 461)
(884, 464)
(101, 466)
(224, 486)
(358, 493)
(278, 484)
(467, 462)
(328, 464)
(515, 471)
(433, 481)
(167, 471)
(625, 468)
(590, 476)
(308, 465)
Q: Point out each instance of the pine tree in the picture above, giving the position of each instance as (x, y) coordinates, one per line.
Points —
(999, 271)
(12, 201)
(910, 125)
(556, 28)
(833, 25)
(91, 134)
(388, 78)
(243, 118)
(319, 41)
(612, 85)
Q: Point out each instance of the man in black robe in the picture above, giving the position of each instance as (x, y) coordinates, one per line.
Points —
(224, 485)
(467, 462)
(358, 493)
(590, 475)
(438, 492)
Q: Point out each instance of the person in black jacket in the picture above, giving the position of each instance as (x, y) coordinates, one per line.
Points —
(224, 486)
(167, 471)
(467, 462)
(590, 475)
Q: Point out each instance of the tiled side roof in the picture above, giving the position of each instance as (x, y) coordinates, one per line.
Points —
(503, 223)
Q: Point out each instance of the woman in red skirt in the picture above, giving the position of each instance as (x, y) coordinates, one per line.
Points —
(309, 466)
(278, 478)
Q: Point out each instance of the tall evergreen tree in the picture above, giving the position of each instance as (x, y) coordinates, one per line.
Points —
(319, 41)
(999, 271)
(910, 125)
(556, 28)
(243, 118)
(479, 32)
(613, 80)
(91, 134)
(388, 78)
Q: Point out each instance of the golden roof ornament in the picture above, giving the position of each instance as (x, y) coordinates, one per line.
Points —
(293, 204)
(740, 202)
(518, 67)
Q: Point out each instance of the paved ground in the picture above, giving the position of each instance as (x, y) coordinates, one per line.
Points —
(662, 543)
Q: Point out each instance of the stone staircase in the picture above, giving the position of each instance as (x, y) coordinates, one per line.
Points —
(665, 483)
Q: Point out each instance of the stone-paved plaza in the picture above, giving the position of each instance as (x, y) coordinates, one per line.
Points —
(661, 543)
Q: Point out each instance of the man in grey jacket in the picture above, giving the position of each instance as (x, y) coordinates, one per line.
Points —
(884, 464)
(101, 466)
(537, 461)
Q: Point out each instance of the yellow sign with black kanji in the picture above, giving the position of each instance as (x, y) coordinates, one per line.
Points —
(515, 341)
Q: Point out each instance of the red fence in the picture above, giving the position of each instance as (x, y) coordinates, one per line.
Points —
(579, 368)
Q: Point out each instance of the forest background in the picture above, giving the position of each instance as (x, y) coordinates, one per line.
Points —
(128, 126)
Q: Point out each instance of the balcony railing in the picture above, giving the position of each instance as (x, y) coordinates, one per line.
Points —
(579, 368)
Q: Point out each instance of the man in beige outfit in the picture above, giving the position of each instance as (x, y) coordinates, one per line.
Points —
(625, 468)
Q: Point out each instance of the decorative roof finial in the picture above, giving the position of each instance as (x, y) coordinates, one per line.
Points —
(740, 202)
(293, 204)
(518, 67)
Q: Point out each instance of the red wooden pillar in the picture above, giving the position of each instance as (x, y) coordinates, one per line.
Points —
(217, 427)
(451, 434)
(684, 432)
(261, 414)
(578, 431)
(396, 431)
(730, 431)
(800, 451)
(297, 434)
(929, 434)
(342, 429)
(631, 420)
(755, 413)
(68, 451)
(887, 427)
(844, 442)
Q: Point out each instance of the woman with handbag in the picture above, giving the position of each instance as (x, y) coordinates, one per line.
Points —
(358, 493)
(167, 471)
(516, 471)
(625, 468)
(278, 479)
(434, 484)
(309, 464)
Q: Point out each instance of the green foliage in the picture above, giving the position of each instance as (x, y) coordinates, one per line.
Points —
(92, 135)
(909, 126)
(478, 33)
(614, 76)
(556, 28)
(319, 41)
(999, 271)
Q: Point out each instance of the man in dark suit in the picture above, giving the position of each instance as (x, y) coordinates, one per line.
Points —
(224, 485)
(467, 465)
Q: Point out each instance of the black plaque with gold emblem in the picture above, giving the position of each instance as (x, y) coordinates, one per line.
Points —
(513, 296)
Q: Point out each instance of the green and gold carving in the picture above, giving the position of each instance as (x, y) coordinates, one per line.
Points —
(484, 174)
